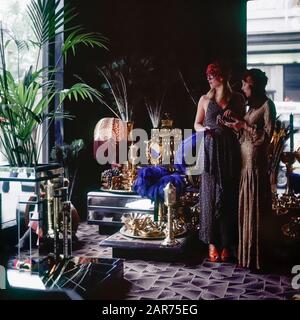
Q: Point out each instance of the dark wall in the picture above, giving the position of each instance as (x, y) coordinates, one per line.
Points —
(180, 35)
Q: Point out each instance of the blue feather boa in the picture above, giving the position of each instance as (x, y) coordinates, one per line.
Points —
(151, 181)
(188, 148)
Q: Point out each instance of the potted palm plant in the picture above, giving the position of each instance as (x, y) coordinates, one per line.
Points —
(24, 100)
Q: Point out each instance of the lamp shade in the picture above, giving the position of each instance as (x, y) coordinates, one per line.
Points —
(109, 129)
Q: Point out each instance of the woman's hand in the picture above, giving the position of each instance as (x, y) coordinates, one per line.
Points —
(209, 132)
(203, 128)
(228, 114)
(236, 124)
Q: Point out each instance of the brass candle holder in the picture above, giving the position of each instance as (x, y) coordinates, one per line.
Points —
(131, 168)
(170, 201)
(49, 196)
(131, 175)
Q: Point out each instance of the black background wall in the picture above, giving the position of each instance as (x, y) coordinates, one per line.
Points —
(182, 35)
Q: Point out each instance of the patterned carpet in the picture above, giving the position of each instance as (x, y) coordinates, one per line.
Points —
(187, 281)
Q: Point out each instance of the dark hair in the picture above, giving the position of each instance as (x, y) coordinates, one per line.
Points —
(259, 80)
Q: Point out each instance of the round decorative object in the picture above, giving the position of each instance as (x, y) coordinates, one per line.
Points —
(111, 128)
(112, 131)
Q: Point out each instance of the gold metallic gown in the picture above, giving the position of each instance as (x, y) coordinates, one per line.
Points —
(255, 190)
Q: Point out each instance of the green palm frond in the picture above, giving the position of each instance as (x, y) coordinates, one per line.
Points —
(21, 44)
(34, 43)
(7, 42)
(60, 115)
(39, 76)
(3, 78)
(82, 90)
(47, 19)
(88, 39)
(29, 77)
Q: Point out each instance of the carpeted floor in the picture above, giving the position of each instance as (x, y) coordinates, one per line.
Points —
(187, 281)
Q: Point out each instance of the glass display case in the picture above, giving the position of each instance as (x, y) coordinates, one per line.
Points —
(106, 208)
(24, 206)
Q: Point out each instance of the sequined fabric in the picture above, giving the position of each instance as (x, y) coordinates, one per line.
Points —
(220, 179)
(255, 190)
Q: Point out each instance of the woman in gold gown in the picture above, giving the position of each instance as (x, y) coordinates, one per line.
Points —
(255, 131)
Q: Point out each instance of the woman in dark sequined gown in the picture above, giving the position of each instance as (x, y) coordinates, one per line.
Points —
(220, 179)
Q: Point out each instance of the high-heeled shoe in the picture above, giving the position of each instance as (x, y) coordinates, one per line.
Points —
(213, 254)
(225, 255)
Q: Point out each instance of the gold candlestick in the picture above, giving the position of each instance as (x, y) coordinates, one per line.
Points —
(49, 195)
(170, 201)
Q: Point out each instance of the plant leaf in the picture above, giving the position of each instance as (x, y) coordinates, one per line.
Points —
(88, 39)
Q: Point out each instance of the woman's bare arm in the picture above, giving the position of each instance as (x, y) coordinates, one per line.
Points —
(200, 115)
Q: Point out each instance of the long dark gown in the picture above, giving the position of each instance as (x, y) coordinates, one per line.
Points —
(220, 179)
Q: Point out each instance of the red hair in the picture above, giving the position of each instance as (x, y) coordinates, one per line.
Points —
(214, 69)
